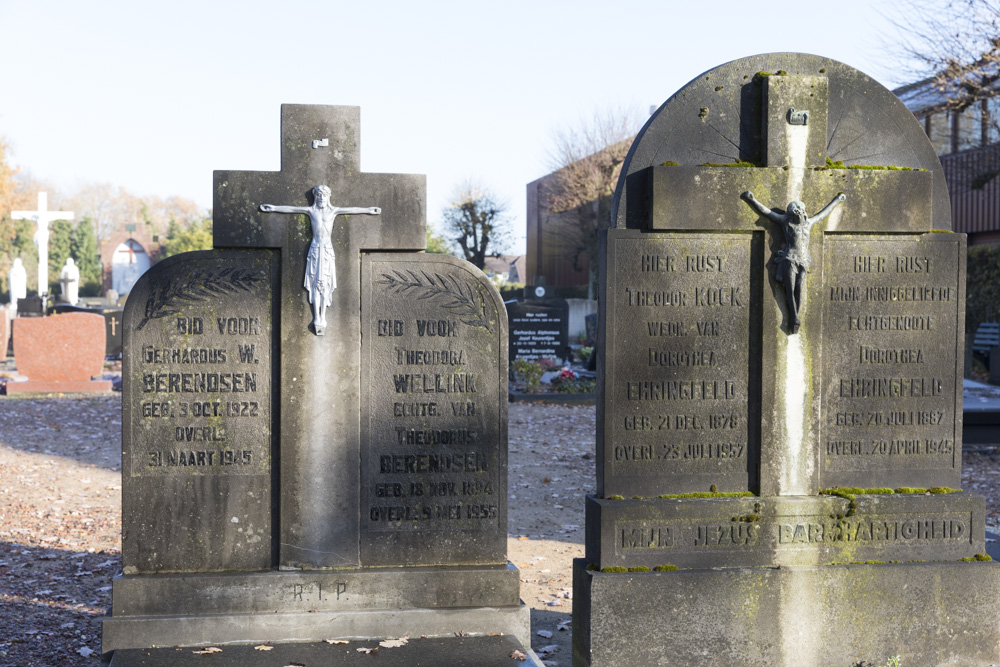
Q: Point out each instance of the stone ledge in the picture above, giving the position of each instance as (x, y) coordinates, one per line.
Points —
(222, 630)
(929, 614)
(148, 595)
(783, 530)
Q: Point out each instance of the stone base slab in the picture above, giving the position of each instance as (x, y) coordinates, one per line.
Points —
(68, 387)
(783, 530)
(280, 628)
(479, 651)
(337, 591)
(931, 615)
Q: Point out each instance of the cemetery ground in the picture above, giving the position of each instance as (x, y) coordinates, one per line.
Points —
(60, 520)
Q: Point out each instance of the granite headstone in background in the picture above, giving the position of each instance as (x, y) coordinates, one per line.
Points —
(539, 329)
(282, 485)
(728, 420)
(61, 353)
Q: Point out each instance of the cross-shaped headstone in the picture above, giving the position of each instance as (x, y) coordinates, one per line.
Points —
(43, 216)
(320, 398)
(708, 198)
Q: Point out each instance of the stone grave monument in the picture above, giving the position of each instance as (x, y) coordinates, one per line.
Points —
(539, 329)
(780, 394)
(315, 424)
(61, 353)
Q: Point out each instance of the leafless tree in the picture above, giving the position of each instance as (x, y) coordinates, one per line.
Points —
(956, 43)
(477, 222)
(586, 162)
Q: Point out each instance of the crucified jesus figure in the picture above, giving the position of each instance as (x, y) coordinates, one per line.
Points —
(321, 275)
(793, 258)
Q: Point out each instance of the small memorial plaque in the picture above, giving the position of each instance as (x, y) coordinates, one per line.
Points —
(434, 469)
(539, 329)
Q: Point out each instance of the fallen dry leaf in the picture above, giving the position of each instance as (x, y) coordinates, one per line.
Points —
(208, 651)
(367, 650)
(263, 647)
(518, 654)
(336, 641)
(394, 643)
(547, 634)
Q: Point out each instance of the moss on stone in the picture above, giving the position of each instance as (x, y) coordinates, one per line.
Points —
(614, 569)
(670, 163)
(616, 497)
(983, 558)
(592, 567)
(738, 163)
(666, 568)
(839, 164)
(747, 518)
(639, 568)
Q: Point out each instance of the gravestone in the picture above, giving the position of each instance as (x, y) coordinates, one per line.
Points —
(112, 321)
(780, 384)
(61, 353)
(314, 420)
(539, 329)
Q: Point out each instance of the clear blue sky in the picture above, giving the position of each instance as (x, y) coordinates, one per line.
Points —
(154, 96)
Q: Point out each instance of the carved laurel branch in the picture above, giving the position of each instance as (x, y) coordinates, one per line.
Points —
(461, 298)
(165, 299)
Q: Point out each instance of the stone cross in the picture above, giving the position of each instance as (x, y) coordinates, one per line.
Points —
(320, 401)
(43, 216)
(795, 169)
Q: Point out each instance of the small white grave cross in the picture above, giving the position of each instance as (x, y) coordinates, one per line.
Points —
(43, 216)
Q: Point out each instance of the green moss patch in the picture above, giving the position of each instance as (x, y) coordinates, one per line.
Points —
(983, 558)
(666, 568)
(738, 163)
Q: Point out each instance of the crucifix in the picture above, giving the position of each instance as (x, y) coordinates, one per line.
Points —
(872, 202)
(321, 269)
(42, 216)
(319, 431)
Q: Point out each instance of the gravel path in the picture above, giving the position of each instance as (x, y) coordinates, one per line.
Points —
(60, 520)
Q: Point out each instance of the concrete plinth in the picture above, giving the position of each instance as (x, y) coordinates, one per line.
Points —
(930, 614)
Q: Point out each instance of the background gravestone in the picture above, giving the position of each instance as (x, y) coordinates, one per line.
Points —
(281, 485)
(539, 329)
(727, 431)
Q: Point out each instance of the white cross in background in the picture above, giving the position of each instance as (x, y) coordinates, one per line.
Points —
(43, 216)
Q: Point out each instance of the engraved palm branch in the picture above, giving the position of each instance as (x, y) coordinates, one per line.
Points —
(165, 299)
(462, 299)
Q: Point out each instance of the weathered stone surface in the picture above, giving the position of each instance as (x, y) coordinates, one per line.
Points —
(289, 627)
(320, 429)
(777, 323)
(539, 329)
(59, 353)
(356, 446)
(433, 413)
(197, 388)
(333, 591)
(783, 530)
(892, 388)
(866, 125)
(681, 408)
(929, 614)
(480, 651)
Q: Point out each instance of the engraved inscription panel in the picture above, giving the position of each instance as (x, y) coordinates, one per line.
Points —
(680, 394)
(433, 413)
(196, 403)
(891, 385)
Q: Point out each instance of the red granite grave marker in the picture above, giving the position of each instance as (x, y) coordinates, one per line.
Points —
(59, 353)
